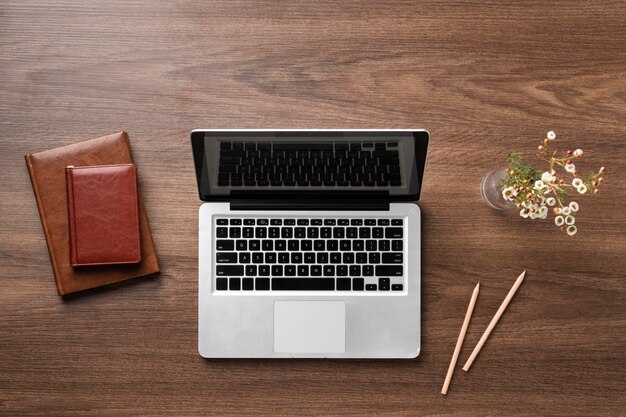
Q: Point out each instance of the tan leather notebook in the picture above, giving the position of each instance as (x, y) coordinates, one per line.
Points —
(47, 174)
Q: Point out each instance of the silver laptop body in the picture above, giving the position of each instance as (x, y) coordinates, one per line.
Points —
(309, 248)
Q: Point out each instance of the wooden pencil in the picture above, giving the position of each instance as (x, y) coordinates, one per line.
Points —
(459, 342)
(495, 319)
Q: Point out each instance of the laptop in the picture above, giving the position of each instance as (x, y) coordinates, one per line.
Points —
(309, 242)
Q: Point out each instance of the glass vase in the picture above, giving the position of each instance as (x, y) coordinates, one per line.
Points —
(491, 190)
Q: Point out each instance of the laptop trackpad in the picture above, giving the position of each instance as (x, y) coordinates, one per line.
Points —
(309, 326)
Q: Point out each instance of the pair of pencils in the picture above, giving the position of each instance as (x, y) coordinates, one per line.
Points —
(483, 339)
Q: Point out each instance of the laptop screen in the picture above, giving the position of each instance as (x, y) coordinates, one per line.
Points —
(319, 161)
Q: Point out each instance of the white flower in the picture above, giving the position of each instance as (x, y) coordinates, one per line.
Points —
(582, 189)
(539, 185)
(570, 220)
(574, 206)
(577, 182)
(566, 210)
(547, 177)
(524, 213)
(578, 152)
(543, 212)
(509, 193)
(559, 220)
(527, 204)
(570, 167)
(551, 201)
(551, 135)
(571, 230)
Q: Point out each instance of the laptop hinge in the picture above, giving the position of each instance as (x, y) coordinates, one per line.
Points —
(371, 201)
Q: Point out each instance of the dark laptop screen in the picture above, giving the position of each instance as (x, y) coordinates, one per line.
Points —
(321, 161)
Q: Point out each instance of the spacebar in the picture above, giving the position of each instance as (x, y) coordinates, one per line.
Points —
(303, 284)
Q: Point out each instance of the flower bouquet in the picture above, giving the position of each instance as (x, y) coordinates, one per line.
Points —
(535, 192)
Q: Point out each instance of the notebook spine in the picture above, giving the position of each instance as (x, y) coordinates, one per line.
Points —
(44, 224)
(71, 218)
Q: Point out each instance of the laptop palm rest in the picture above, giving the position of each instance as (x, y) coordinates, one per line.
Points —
(309, 326)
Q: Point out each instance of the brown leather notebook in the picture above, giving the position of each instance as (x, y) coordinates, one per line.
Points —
(103, 215)
(47, 174)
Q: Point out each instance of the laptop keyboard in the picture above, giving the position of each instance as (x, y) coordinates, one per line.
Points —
(295, 254)
(263, 164)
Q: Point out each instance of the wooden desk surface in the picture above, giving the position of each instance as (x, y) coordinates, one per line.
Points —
(484, 78)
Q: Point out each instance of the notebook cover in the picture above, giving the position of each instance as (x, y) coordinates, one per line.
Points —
(103, 215)
(47, 174)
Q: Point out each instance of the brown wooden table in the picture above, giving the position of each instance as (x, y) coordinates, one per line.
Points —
(484, 78)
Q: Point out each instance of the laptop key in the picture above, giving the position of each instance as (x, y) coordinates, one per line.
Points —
(262, 284)
(396, 287)
(234, 284)
(393, 232)
(225, 245)
(343, 284)
(389, 270)
(303, 284)
(392, 258)
(221, 232)
(226, 270)
(247, 284)
(357, 284)
(226, 258)
(370, 287)
(221, 284)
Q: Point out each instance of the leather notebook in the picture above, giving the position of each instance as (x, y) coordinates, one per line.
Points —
(103, 215)
(47, 174)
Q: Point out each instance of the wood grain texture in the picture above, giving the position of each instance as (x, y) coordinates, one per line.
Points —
(484, 77)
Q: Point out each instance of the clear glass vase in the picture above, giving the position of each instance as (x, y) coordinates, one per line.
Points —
(491, 190)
